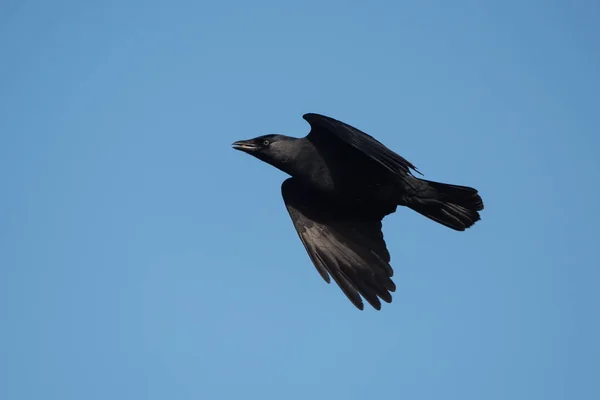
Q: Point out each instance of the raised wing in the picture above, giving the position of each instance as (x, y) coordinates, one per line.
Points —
(344, 244)
(322, 125)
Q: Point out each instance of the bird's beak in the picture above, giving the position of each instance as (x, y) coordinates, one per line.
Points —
(245, 145)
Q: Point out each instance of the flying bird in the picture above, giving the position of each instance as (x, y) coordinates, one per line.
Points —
(343, 183)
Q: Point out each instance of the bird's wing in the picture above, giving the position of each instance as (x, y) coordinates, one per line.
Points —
(344, 244)
(322, 125)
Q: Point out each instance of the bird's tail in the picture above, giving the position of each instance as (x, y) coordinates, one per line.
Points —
(451, 205)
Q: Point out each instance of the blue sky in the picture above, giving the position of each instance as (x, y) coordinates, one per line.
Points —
(142, 258)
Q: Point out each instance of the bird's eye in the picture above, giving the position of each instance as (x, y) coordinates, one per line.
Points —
(265, 143)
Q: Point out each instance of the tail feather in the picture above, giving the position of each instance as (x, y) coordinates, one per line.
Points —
(451, 205)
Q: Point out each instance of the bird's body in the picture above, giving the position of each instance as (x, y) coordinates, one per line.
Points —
(343, 183)
(338, 171)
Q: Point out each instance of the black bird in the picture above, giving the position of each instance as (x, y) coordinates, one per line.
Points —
(343, 183)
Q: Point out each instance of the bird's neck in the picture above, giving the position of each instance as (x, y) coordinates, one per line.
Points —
(305, 163)
(289, 157)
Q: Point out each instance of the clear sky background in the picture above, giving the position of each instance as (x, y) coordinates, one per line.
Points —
(142, 258)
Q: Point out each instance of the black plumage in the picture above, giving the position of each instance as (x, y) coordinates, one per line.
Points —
(343, 183)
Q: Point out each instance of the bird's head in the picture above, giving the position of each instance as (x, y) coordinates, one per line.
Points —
(277, 150)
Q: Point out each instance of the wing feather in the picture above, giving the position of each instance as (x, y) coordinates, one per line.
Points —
(343, 244)
(371, 147)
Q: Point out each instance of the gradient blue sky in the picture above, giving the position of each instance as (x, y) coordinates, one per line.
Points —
(142, 258)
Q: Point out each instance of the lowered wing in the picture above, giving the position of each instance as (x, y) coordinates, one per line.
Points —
(344, 244)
